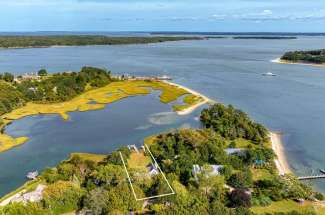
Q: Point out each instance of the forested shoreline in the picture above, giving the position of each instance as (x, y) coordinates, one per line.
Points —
(313, 57)
(81, 40)
(45, 88)
(244, 181)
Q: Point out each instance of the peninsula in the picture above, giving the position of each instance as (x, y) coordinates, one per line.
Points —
(225, 167)
(314, 58)
(90, 89)
(264, 38)
(82, 40)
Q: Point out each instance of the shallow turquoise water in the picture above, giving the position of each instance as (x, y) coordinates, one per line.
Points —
(224, 69)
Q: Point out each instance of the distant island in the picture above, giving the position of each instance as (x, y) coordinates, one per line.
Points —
(314, 57)
(264, 38)
(90, 89)
(81, 40)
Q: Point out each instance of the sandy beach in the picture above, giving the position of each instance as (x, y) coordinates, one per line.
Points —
(193, 107)
(281, 161)
(279, 61)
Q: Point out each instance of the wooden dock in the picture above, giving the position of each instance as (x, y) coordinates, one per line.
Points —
(313, 176)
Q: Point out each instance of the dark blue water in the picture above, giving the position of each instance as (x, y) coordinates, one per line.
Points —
(224, 69)
(125, 122)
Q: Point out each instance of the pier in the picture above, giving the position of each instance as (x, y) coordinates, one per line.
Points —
(313, 176)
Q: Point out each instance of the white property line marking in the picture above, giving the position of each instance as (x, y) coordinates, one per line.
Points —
(151, 197)
(159, 169)
(135, 196)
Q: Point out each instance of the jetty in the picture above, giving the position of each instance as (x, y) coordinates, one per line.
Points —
(310, 177)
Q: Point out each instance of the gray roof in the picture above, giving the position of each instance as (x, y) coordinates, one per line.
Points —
(231, 151)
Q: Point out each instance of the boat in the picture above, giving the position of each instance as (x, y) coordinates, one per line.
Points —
(322, 171)
(269, 74)
(32, 175)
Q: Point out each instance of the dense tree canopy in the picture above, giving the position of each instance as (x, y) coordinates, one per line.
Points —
(10, 98)
(80, 40)
(232, 123)
(315, 56)
(53, 88)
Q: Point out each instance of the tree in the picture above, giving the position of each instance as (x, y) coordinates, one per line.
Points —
(42, 72)
(62, 197)
(210, 186)
(96, 201)
(23, 209)
(121, 199)
(240, 198)
(217, 207)
(109, 174)
(8, 77)
(232, 123)
(241, 179)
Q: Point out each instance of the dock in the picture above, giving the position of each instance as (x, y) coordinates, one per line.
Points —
(310, 177)
(133, 147)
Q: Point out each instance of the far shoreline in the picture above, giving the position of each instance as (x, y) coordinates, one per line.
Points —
(279, 61)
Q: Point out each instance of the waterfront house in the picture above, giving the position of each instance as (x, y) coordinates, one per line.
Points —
(209, 170)
(235, 151)
(153, 170)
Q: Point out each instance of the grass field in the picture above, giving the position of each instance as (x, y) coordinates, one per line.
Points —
(189, 100)
(138, 160)
(288, 206)
(94, 100)
(91, 157)
(259, 174)
(7, 142)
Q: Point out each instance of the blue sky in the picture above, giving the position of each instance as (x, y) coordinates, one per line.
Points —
(163, 15)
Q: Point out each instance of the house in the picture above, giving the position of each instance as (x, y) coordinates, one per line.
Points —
(235, 151)
(212, 170)
(33, 196)
(153, 169)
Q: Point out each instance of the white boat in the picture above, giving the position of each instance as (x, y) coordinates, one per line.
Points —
(32, 175)
(269, 74)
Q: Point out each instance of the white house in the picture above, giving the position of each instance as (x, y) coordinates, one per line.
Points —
(212, 170)
(235, 151)
(153, 170)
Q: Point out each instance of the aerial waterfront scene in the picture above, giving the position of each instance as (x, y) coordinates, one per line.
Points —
(162, 107)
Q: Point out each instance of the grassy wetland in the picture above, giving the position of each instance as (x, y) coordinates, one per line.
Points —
(95, 99)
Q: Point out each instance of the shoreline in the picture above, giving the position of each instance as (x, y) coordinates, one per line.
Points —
(280, 161)
(279, 61)
(99, 95)
(191, 108)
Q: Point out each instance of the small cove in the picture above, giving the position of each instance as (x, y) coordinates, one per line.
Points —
(52, 139)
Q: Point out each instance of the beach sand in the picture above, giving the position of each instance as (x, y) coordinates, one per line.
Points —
(193, 107)
(279, 61)
(281, 161)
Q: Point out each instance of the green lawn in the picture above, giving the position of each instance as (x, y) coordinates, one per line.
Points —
(287, 206)
(92, 157)
(259, 174)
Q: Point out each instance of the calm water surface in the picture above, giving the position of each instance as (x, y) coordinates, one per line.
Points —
(223, 69)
